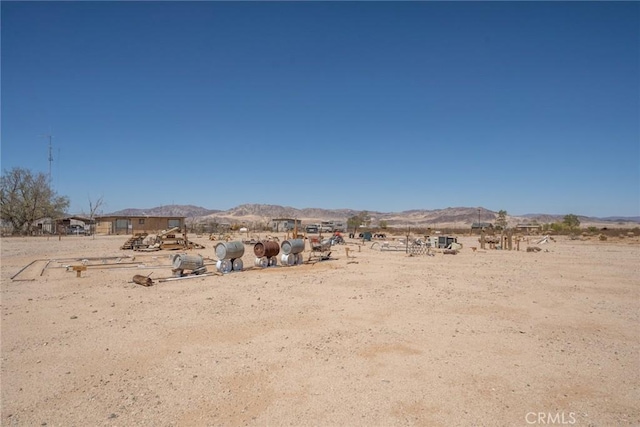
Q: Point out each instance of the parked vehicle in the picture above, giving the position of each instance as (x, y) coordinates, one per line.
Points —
(76, 229)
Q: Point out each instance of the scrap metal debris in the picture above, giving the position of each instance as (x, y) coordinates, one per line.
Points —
(319, 248)
(165, 240)
(143, 280)
(542, 241)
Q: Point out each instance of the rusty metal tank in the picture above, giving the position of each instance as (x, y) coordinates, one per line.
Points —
(266, 249)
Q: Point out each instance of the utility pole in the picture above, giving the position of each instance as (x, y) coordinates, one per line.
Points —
(50, 156)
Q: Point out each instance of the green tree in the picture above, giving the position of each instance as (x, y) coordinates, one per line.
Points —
(383, 224)
(356, 221)
(501, 221)
(571, 221)
(25, 198)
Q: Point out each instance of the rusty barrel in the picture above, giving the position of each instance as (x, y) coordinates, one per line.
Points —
(187, 262)
(293, 246)
(229, 250)
(142, 280)
(266, 249)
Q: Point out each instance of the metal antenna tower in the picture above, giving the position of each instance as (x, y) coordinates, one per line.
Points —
(50, 155)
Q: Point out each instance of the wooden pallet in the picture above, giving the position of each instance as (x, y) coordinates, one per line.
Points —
(134, 241)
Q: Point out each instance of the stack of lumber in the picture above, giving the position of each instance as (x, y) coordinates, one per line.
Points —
(135, 241)
(165, 240)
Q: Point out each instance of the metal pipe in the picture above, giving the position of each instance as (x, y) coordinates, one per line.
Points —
(45, 267)
(26, 266)
(171, 279)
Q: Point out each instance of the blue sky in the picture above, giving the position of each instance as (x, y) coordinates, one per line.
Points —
(381, 106)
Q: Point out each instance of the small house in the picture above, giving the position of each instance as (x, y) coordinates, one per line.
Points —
(136, 224)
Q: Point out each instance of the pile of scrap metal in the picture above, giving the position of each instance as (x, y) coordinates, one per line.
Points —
(399, 245)
(493, 241)
(320, 248)
(256, 239)
(414, 246)
(165, 240)
(220, 237)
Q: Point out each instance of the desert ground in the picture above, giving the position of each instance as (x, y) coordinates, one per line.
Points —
(481, 338)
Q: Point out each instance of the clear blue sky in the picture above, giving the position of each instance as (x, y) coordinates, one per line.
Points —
(384, 106)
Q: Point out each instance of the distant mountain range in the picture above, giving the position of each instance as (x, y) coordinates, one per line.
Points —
(167, 210)
(448, 217)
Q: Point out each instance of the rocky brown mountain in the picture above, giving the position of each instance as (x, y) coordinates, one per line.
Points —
(262, 213)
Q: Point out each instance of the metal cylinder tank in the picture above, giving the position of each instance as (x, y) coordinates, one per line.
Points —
(288, 259)
(262, 262)
(293, 246)
(266, 249)
(224, 266)
(187, 262)
(237, 264)
(229, 250)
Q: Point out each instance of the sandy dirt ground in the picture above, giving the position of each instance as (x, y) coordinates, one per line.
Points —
(484, 338)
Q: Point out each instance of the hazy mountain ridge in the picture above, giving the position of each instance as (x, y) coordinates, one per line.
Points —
(188, 211)
(451, 216)
(622, 218)
(277, 211)
(548, 218)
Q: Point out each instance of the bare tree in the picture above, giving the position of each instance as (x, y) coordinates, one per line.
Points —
(25, 198)
(93, 210)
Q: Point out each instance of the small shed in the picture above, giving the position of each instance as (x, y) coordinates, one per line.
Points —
(284, 224)
(62, 225)
(529, 228)
(68, 223)
(481, 225)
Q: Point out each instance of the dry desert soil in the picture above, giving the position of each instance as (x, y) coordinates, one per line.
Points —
(379, 338)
